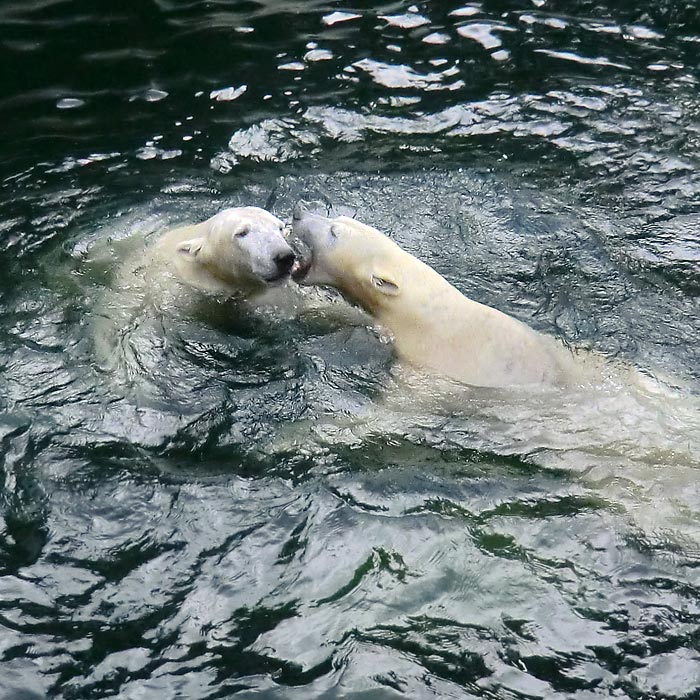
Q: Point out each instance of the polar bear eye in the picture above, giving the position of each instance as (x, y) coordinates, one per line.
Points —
(335, 231)
(243, 232)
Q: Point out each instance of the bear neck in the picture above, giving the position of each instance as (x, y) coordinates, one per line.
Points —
(426, 299)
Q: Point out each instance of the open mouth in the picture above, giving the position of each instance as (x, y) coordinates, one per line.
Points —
(301, 269)
(304, 260)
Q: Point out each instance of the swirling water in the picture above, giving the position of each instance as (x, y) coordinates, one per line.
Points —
(263, 505)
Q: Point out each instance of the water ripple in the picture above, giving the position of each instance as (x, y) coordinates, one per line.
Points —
(226, 501)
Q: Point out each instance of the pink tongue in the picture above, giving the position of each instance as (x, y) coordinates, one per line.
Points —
(300, 268)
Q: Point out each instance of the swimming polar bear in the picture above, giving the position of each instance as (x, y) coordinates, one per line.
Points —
(239, 254)
(237, 251)
(434, 326)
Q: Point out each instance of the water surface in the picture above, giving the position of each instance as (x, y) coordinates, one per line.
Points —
(259, 502)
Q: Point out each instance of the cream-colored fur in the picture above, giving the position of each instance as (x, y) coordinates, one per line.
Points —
(434, 326)
(238, 253)
(237, 250)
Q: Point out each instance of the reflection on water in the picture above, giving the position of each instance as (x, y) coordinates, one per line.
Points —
(258, 501)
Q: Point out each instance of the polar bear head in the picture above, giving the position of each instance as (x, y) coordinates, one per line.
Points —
(354, 258)
(242, 246)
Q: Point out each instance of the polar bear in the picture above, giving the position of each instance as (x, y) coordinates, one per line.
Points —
(237, 254)
(434, 326)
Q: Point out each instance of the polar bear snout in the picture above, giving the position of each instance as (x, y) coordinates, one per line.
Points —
(311, 234)
(301, 209)
(312, 230)
(316, 207)
(270, 257)
(284, 262)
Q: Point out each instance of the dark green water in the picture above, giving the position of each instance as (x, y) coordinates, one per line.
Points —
(259, 506)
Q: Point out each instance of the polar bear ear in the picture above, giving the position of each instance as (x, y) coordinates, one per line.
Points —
(385, 284)
(190, 248)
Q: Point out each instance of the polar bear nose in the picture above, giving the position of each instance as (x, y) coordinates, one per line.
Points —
(284, 261)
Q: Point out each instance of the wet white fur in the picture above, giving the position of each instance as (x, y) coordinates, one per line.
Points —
(434, 326)
(154, 284)
(233, 251)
